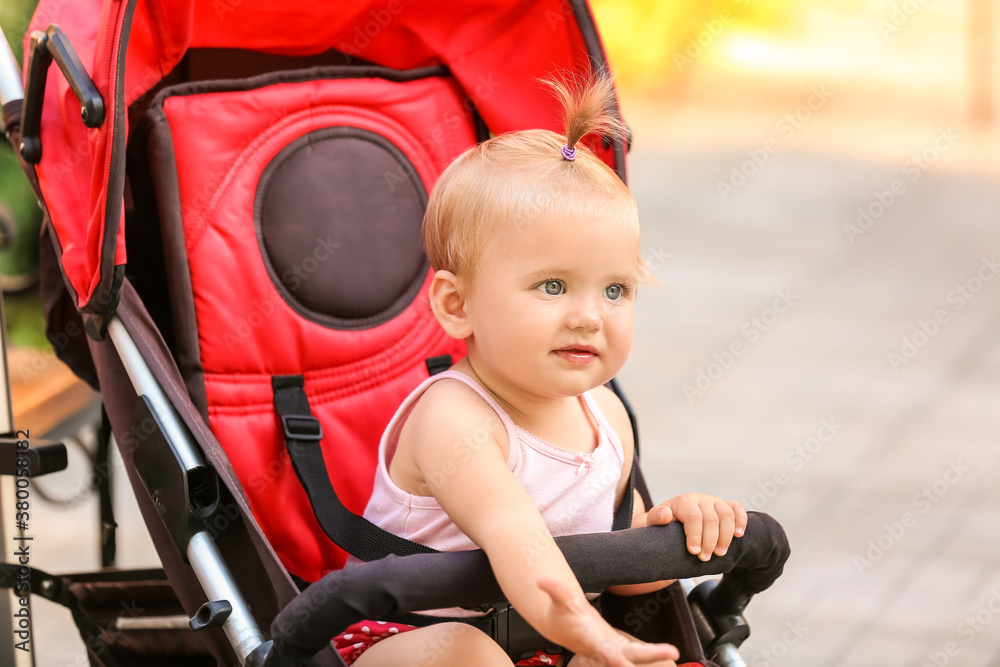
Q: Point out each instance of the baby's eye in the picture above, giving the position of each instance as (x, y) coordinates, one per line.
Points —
(552, 287)
(616, 292)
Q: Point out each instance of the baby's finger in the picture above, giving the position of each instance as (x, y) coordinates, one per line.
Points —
(710, 534)
(727, 526)
(694, 529)
(659, 516)
(613, 656)
(642, 654)
(741, 517)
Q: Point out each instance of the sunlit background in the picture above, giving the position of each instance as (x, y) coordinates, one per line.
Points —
(769, 138)
(819, 186)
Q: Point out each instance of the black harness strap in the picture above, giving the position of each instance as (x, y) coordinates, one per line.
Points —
(353, 533)
(362, 538)
(438, 364)
(303, 434)
(623, 518)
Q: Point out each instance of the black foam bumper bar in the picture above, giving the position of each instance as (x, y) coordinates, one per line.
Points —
(458, 579)
(42, 457)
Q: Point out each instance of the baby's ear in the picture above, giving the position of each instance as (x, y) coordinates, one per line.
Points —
(448, 301)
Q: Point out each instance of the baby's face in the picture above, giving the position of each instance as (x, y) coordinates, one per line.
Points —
(547, 288)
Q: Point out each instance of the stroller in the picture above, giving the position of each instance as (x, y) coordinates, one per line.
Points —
(232, 257)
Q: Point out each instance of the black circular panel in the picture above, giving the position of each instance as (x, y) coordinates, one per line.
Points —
(337, 215)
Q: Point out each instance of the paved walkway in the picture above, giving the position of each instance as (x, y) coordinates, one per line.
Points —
(838, 372)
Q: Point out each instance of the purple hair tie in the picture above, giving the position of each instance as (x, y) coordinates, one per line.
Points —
(569, 153)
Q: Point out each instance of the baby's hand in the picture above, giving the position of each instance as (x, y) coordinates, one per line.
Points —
(583, 661)
(710, 523)
(583, 630)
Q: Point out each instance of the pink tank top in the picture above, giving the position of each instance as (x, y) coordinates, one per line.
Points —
(574, 492)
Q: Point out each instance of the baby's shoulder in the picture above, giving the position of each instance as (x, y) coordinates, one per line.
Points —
(449, 393)
(614, 412)
(448, 411)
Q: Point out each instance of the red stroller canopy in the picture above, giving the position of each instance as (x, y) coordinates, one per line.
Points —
(496, 50)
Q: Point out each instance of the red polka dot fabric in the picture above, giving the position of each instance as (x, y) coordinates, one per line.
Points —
(361, 636)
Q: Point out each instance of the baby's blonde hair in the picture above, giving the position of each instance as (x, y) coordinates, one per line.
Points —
(505, 183)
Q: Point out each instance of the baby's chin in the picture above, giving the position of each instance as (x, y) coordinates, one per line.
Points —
(574, 389)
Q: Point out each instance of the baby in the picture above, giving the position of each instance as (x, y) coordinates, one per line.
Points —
(535, 242)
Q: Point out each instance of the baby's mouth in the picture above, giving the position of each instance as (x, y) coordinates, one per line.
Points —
(578, 348)
(577, 355)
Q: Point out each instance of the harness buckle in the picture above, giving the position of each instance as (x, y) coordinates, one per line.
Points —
(302, 427)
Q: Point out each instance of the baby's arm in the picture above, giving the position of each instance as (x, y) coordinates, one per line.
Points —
(710, 523)
(479, 493)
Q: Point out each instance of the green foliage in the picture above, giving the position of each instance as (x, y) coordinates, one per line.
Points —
(22, 311)
(14, 17)
(15, 192)
(25, 320)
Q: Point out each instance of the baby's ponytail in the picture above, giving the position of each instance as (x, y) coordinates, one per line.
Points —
(588, 107)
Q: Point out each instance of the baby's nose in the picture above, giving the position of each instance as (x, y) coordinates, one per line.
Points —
(586, 315)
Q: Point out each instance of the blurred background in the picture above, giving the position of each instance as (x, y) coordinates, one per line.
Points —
(820, 195)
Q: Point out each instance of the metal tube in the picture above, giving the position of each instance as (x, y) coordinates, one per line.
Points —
(215, 578)
(202, 552)
(11, 86)
(727, 655)
(145, 384)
